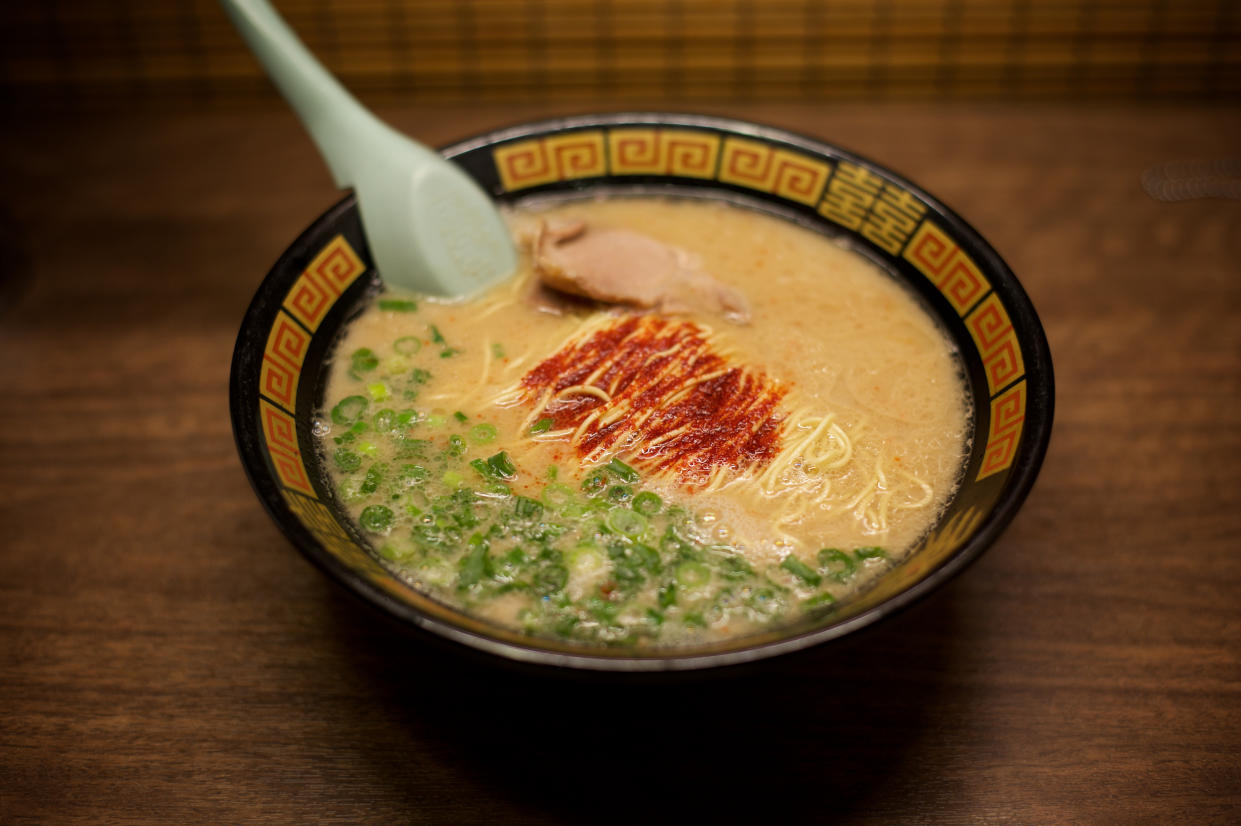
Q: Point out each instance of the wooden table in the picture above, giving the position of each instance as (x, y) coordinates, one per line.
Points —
(167, 656)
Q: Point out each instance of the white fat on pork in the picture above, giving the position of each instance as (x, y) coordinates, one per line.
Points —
(619, 266)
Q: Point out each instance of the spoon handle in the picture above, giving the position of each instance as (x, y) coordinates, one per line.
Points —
(335, 119)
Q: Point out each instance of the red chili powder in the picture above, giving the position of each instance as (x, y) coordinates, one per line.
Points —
(687, 410)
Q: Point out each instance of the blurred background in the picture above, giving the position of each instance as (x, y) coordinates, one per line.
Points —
(95, 54)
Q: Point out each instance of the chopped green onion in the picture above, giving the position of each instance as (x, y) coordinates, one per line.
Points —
(838, 564)
(407, 345)
(395, 365)
(420, 376)
(376, 518)
(400, 305)
(734, 568)
(499, 466)
(412, 448)
(436, 420)
(528, 508)
(456, 446)
(871, 552)
(552, 472)
(819, 600)
(647, 557)
(385, 419)
(461, 417)
(573, 510)
(623, 471)
(595, 482)
(348, 491)
(474, 565)
(349, 409)
(363, 360)
(452, 479)
(483, 433)
(498, 489)
(626, 522)
(497, 350)
(502, 465)
(541, 426)
(551, 578)
(586, 560)
(647, 503)
(374, 475)
(619, 493)
(378, 391)
(347, 460)
(411, 475)
(438, 338)
(556, 495)
(693, 574)
(801, 570)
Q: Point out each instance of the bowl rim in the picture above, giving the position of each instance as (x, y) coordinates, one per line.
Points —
(1024, 471)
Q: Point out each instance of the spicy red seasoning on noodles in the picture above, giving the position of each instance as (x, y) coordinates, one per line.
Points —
(656, 386)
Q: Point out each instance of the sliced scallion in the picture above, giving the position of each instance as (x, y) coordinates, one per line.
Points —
(483, 433)
(626, 522)
(647, 503)
(838, 564)
(693, 574)
(819, 600)
(385, 419)
(376, 518)
(622, 471)
(363, 360)
(374, 475)
(801, 570)
(399, 305)
(346, 460)
(619, 493)
(349, 409)
(502, 465)
(407, 345)
(557, 495)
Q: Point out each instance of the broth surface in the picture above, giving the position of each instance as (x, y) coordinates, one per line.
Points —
(485, 480)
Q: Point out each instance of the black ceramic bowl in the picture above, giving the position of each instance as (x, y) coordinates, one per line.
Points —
(323, 278)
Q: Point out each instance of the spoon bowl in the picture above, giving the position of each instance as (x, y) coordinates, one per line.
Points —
(431, 229)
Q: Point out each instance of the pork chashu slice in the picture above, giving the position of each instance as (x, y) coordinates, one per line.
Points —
(619, 266)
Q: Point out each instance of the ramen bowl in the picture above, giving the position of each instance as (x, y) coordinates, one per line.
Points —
(326, 276)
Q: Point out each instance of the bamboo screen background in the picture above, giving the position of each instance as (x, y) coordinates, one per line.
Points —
(91, 53)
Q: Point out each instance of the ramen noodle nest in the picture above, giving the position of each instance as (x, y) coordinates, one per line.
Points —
(645, 475)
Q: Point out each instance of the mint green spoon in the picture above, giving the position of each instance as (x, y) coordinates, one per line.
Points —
(431, 229)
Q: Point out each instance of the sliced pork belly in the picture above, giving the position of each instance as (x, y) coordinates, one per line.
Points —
(619, 266)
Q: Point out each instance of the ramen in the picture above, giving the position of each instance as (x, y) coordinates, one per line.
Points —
(647, 476)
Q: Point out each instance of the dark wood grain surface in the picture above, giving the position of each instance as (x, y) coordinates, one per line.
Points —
(166, 656)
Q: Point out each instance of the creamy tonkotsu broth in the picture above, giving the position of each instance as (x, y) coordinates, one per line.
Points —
(603, 474)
